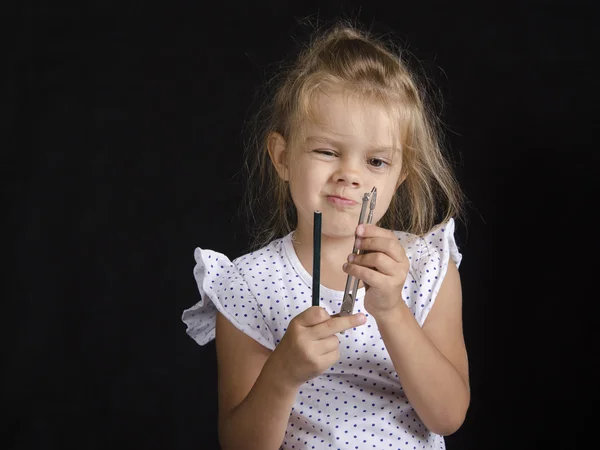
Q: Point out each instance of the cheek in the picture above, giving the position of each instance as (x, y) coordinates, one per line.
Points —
(301, 186)
(302, 174)
(383, 204)
(308, 173)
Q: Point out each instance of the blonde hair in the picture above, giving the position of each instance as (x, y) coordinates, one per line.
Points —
(347, 58)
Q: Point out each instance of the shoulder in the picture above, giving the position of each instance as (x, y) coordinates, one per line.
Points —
(436, 247)
(433, 257)
(264, 261)
(216, 266)
(232, 287)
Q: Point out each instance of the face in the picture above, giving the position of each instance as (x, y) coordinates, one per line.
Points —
(349, 149)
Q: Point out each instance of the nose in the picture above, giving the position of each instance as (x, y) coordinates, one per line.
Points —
(348, 174)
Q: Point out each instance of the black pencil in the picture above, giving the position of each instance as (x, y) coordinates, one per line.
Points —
(316, 259)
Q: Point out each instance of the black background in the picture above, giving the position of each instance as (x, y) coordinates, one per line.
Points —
(122, 151)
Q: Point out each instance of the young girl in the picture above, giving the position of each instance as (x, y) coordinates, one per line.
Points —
(347, 117)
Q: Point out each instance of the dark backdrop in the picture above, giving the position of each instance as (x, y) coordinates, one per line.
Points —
(121, 154)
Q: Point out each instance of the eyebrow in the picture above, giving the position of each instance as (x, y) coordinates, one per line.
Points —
(325, 140)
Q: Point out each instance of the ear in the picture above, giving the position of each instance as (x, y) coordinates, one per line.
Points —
(277, 151)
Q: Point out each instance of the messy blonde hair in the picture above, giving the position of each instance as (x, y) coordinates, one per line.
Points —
(346, 58)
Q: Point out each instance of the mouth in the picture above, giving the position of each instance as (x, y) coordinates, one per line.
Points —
(341, 201)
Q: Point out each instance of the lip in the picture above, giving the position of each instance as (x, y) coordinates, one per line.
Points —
(341, 201)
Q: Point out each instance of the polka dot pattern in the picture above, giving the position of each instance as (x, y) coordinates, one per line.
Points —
(358, 402)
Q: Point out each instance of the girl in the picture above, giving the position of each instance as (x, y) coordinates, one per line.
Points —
(347, 117)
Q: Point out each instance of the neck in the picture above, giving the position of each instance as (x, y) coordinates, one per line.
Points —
(334, 253)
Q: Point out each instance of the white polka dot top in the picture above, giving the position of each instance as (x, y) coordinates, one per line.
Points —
(358, 403)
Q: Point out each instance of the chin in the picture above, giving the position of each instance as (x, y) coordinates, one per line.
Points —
(339, 231)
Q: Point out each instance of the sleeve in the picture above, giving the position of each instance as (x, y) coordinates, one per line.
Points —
(437, 248)
(223, 289)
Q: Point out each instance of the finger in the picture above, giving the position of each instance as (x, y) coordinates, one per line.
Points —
(337, 324)
(328, 344)
(372, 230)
(365, 231)
(312, 316)
(365, 274)
(390, 247)
(377, 260)
(333, 354)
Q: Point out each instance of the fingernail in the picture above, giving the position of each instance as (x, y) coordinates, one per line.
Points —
(362, 319)
(360, 230)
(345, 266)
(351, 257)
(358, 242)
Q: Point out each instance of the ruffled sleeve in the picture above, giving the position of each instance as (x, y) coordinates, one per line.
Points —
(429, 267)
(222, 288)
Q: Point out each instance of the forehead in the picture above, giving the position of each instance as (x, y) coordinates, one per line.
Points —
(350, 117)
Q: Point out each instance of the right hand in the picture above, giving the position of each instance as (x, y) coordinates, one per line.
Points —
(310, 345)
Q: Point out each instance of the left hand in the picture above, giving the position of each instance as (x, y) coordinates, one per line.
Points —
(383, 269)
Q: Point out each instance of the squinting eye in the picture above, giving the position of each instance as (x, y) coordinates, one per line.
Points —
(324, 152)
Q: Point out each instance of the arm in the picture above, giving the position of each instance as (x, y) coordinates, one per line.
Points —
(255, 404)
(431, 362)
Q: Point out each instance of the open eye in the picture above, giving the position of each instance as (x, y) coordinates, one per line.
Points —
(378, 163)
